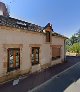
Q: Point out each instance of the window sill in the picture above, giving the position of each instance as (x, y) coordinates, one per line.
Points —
(14, 69)
(55, 58)
(35, 63)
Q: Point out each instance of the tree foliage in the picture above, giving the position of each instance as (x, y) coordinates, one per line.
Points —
(73, 44)
(75, 48)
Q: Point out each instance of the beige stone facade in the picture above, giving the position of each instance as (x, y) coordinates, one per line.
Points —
(11, 37)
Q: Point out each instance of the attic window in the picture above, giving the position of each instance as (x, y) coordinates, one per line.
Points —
(47, 36)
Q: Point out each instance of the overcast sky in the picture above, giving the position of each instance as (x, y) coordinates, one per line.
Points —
(64, 15)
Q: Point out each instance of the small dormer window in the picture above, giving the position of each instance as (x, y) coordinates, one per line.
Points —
(47, 30)
(47, 36)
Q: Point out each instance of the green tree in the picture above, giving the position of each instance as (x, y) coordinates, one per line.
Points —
(78, 33)
(73, 44)
(75, 48)
(73, 39)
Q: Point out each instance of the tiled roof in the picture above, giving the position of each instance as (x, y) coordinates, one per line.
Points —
(16, 23)
(12, 22)
(59, 35)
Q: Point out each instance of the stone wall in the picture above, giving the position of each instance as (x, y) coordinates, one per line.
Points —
(18, 38)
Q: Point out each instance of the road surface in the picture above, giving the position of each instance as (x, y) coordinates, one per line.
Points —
(63, 82)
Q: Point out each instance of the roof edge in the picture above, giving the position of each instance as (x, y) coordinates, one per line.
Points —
(59, 35)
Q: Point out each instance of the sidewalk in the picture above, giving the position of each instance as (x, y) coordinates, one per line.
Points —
(38, 78)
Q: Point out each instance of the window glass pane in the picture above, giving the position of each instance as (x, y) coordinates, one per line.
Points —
(32, 55)
(11, 59)
(35, 55)
(32, 50)
(37, 50)
(36, 59)
(17, 57)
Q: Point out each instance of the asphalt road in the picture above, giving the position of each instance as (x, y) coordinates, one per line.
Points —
(61, 82)
(36, 79)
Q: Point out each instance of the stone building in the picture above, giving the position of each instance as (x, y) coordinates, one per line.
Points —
(27, 48)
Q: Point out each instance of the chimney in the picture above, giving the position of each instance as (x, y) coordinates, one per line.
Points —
(3, 10)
